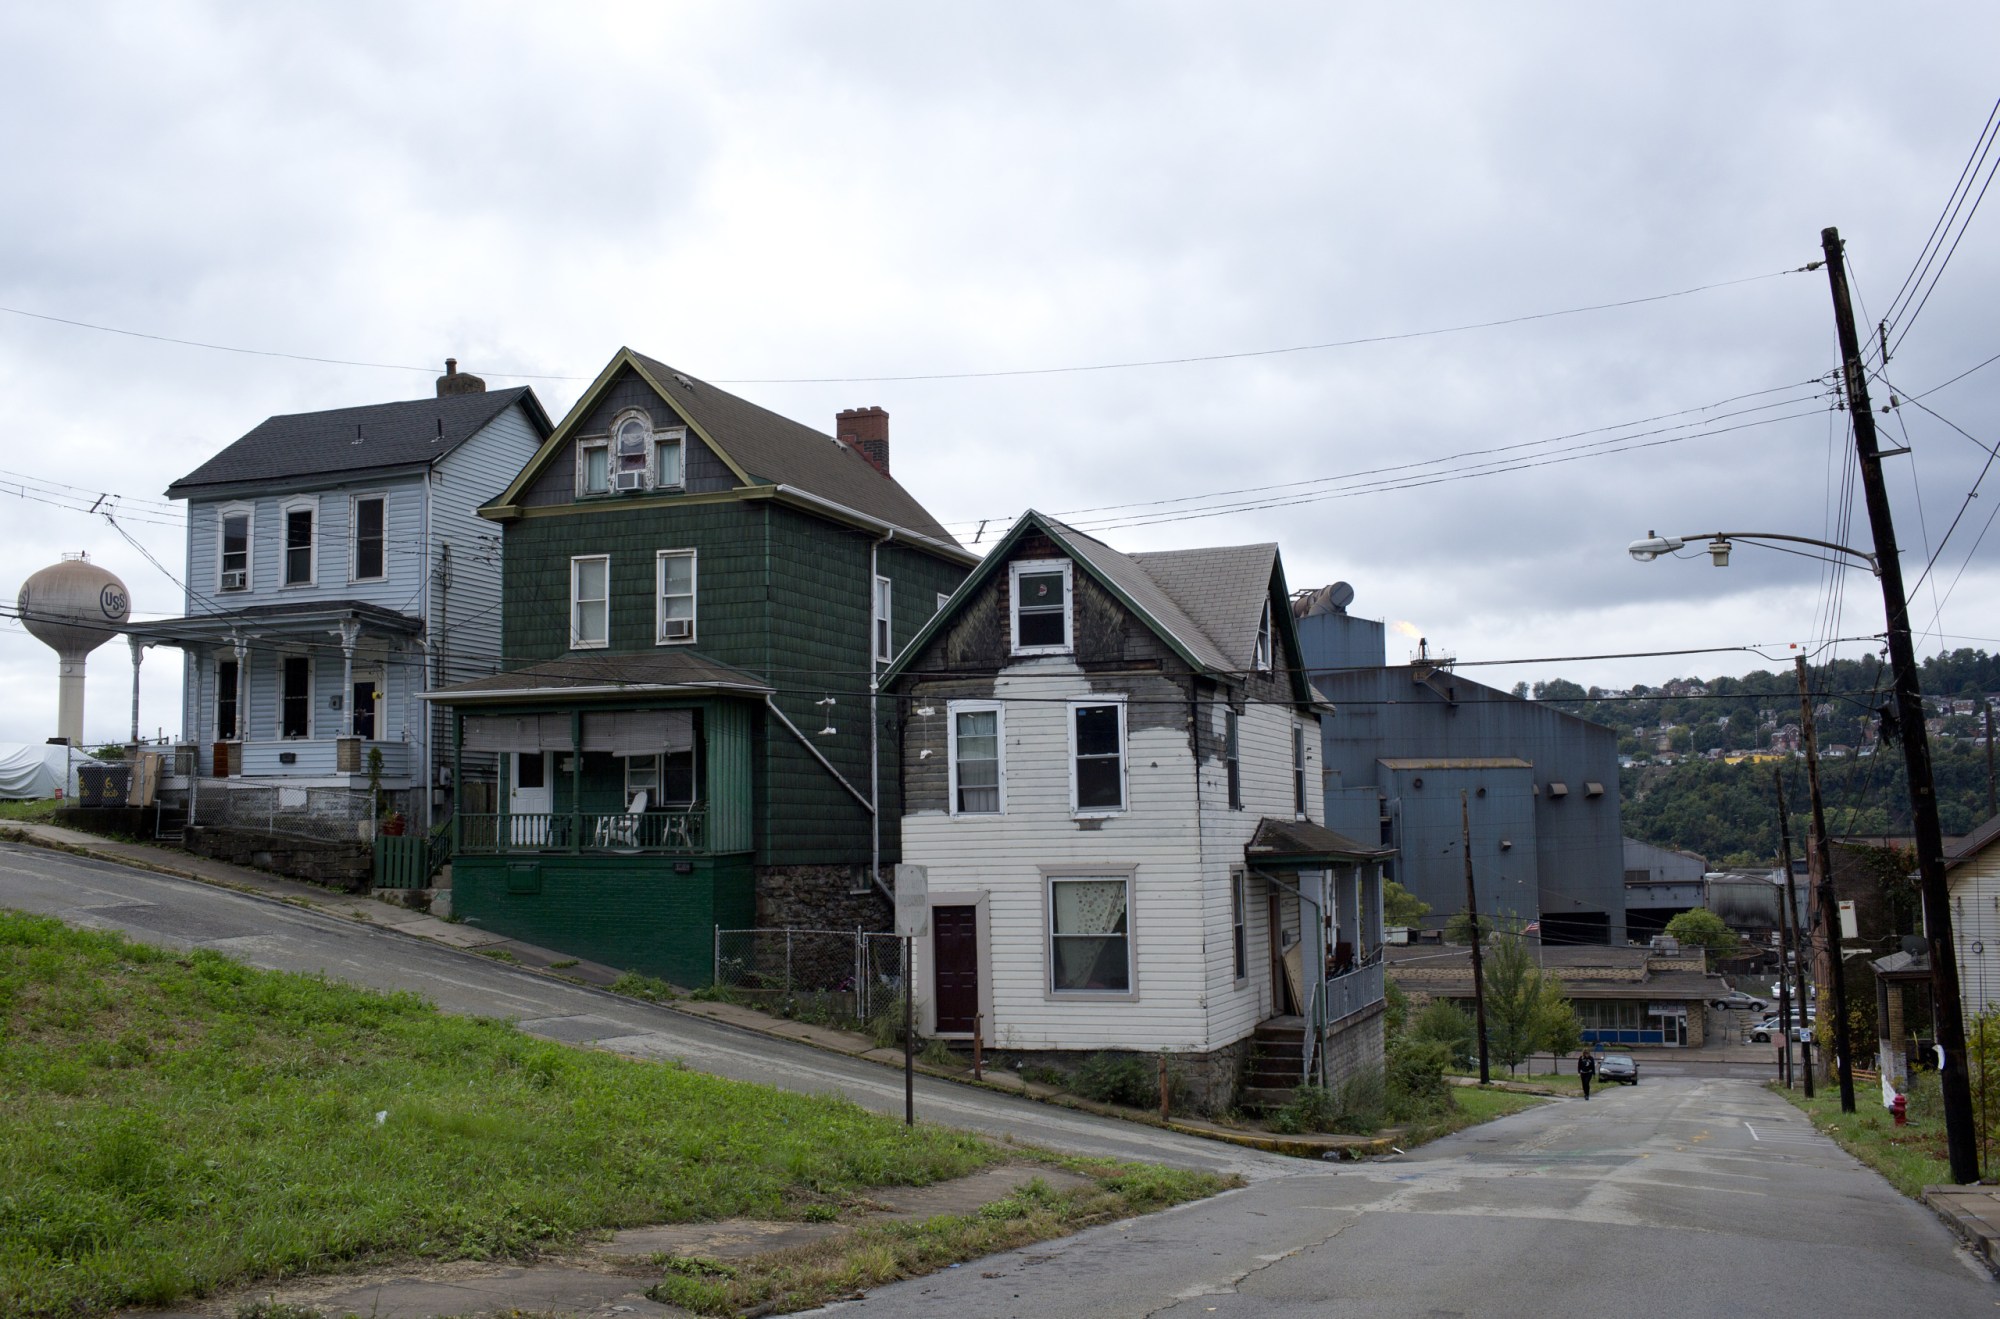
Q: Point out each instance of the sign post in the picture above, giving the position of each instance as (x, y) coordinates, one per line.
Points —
(913, 922)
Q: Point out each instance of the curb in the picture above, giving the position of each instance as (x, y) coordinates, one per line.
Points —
(1980, 1236)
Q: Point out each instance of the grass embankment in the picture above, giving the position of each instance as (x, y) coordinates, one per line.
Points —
(43, 810)
(1472, 1106)
(175, 1124)
(1910, 1157)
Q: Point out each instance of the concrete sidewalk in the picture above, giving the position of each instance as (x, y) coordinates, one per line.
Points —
(545, 961)
(1974, 1213)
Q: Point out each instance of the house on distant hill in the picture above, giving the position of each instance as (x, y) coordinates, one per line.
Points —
(698, 592)
(1112, 772)
(335, 568)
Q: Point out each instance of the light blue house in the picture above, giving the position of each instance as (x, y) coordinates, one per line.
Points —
(335, 568)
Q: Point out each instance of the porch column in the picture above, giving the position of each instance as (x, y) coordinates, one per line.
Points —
(243, 724)
(350, 632)
(1361, 931)
(138, 653)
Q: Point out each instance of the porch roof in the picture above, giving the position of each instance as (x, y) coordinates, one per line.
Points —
(598, 676)
(304, 618)
(1297, 844)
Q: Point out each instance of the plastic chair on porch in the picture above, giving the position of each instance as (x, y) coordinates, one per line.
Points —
(623, 830)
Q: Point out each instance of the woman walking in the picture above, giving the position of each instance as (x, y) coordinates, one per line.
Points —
(1586, 1068)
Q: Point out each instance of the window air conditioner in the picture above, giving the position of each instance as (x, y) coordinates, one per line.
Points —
(628, 481)
(236, 580)
(677, 629)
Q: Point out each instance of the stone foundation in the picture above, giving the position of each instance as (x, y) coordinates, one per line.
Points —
(1205, 1084)
(820, 898)
(341, 865)
(1355, 1045)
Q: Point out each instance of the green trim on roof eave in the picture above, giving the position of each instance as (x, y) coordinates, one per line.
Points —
(1281, 607)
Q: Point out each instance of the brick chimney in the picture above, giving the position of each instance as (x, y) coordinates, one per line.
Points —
(866, 431)
(455, 382)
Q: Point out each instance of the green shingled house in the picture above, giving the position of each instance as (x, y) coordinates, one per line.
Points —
(697, 594)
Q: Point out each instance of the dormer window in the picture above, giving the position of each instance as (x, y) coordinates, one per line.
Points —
(1263, 658)
(1041, 613)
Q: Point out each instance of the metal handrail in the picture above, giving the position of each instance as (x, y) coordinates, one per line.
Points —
(670, 832)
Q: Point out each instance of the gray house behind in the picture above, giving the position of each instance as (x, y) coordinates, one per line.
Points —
(1540, 786)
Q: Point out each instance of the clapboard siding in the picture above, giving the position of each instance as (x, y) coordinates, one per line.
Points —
(1975, 918)
(332, 549)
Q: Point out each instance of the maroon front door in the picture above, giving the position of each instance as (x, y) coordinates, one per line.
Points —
(955, 966)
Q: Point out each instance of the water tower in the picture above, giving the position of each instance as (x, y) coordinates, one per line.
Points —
(73, 607)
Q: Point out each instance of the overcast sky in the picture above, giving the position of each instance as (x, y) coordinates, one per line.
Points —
(780, 192)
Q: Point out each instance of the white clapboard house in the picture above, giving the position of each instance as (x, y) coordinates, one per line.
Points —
(1111, 776)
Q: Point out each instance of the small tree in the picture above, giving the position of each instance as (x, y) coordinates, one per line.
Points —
(1701, 928)
(1442, 1023)
(1458, 929)
(1402, 907)
(1561, 1032)
(1513, 1002)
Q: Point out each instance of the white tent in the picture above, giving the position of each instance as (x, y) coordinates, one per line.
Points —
(30, 771)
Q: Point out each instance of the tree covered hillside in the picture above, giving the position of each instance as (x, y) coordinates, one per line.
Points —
(1680, 791)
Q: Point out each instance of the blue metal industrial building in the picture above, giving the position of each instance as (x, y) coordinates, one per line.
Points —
(1541, 785)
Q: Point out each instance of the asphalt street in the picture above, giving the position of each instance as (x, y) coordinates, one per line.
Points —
(1685, 1195)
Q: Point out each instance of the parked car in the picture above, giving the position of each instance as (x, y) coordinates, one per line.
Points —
(1618, 1067)
(1741, 1002)
(1770, 1028)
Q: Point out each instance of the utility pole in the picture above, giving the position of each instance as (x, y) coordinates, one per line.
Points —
(1478, 963)
(1960, 1139)
(1789, 921)
(1829, 908)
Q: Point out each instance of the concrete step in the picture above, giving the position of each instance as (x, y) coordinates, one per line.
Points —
(1262, 1098)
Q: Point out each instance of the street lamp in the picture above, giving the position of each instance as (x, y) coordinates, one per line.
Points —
(1720, 543)
(1645, 551)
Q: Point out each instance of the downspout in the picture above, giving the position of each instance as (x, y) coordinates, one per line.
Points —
(431, 668)
(1201, 842)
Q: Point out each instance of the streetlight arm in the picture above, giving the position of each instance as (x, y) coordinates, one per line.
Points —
(1655, 545)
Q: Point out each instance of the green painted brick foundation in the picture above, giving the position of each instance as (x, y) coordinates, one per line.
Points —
(631, 912)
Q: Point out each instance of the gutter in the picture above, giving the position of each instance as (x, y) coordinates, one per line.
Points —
(889, 529)
(446, 697)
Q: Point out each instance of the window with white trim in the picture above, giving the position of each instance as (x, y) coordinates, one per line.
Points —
(1264, 640)
(593, 466)
(1299, 770)
(1232, 756)
(589, 601)
(1239, 923)
(369, 515)
(298, 529)
(233, 552)
(1041, 616)
(669, 458)
(1090, 940)
(631, 451)
(978, 770)
(943, 599)
(1097, 757)
(884, 629)
(674, 615)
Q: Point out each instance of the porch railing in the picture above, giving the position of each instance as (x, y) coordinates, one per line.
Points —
(1349, 993)
(670, 833)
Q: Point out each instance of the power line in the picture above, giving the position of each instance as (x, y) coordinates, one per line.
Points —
(944, 375)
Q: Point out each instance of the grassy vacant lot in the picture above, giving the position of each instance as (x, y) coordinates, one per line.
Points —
(172, 1125)
(29, 810)
(1474, 1106)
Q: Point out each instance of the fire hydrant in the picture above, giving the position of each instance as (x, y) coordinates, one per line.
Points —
(1899, 1108)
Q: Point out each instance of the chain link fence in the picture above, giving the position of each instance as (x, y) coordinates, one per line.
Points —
(843, 978)
(324, 814)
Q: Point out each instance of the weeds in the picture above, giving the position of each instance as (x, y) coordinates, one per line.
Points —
(634, 985)
(177, 1124)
